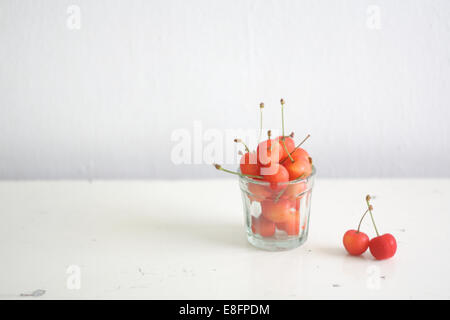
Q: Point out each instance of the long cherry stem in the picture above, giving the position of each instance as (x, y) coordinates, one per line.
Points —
(286, 149)
(283, 137)
(360, 221)
(282, 115)
(298, 146)
(261, 107)
(219, 167)
(371, 215)
(303, 141)
(279, 195)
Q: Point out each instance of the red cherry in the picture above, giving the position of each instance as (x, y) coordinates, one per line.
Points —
(290, 146)
(269, 152)
(276, 211)
(356, 242)
(383, 247)
(294, 190)
(249, 164)
(263, 226)
(258, 192)
(292, 225)
(300, 167)
(277, 175)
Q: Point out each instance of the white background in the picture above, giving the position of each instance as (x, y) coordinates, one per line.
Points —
(102, 101)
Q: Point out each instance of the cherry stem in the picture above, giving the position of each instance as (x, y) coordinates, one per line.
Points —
(303, 141)
(279, 196)
(285, 149)
(261, 107)
(282, 115)
(219, 167)
(283, 137)
(371, 214)
(298, 146)
(240, 141)
(360, 221)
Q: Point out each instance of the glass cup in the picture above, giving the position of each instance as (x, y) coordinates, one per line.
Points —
(277, 216)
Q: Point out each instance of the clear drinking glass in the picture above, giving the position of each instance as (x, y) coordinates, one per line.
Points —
(277, 217)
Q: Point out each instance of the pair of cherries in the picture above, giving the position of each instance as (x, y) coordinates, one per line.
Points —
(381, 247)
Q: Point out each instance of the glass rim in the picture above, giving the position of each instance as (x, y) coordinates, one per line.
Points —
(265, 183)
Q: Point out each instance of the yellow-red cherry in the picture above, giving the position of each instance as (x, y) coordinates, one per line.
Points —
(263, 226)
(355, 242)
(291, 225)
(258, 192)
(249, 164)
(301, 166)
(276, 175)
(294, 191)
(290, 146)
(276, 211)
(269, 152)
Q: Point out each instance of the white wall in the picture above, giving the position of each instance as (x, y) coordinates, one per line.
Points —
(102, 101)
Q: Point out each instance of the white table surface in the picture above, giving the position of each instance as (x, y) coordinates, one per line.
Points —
(186, 240)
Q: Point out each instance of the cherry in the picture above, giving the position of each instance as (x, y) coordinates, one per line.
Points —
(263, 226)
(269, 152)
(384, 246)
(276, 175)
(289, 143)
(355, 241)
(294, 190)
(302, 165)
(249, 164)
(276, 211)
(258, 192)
(292, 225)
(298, 163)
